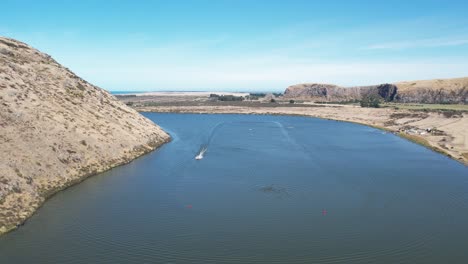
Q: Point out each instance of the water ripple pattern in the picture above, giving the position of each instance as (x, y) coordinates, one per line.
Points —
(269, 189)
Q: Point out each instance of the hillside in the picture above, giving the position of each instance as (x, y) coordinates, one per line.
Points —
(323, 92)
(426, 91)
(57, 129)
(434, 91)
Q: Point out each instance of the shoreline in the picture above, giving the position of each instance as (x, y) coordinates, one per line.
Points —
(144, 150)
(425, 141)
(89, 172)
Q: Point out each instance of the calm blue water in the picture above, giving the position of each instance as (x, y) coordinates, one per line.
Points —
(127, 92)
(270, 189)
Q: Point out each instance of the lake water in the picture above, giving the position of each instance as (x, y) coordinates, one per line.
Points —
(270, 189)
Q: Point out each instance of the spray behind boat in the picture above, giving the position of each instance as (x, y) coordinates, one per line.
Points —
(204, 147)
(201, 153)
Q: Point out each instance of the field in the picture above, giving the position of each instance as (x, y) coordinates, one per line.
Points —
(427, 107)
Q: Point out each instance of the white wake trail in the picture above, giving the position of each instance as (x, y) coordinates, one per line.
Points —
(201, 153)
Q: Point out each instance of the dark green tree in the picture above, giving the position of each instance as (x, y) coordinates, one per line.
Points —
(370, 100)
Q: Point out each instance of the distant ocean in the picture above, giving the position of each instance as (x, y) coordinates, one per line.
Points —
(127, 92)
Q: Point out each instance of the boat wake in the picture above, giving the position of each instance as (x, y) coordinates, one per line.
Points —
(214, 130)
(201, 153)
(204, 147)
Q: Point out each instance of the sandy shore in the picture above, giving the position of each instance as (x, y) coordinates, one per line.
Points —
(447, 134)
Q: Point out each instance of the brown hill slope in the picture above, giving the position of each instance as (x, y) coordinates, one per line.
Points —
(325, 92)
(434, 91)
(56, 129)
(426, 91)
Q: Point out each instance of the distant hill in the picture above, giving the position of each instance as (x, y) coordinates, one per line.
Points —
(434, 91)
(57, 129)
(426, 91)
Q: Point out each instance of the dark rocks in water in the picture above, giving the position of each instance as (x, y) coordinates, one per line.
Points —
(272, 189)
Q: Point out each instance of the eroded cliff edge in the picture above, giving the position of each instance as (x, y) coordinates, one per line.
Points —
(56, 129)
(440, 91)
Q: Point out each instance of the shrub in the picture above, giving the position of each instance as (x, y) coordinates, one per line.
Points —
(272, 100)
(258, 95)
(80, 86)
(230, 98)
(291, 101)
(450, 113)
(370, 100)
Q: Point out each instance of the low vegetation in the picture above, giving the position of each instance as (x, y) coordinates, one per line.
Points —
(345, 102)
(370, 100)
(256, 96)
(227, 98)
(423, 142)
(428, 107)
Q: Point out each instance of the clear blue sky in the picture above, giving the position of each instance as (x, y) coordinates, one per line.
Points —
(245, 45)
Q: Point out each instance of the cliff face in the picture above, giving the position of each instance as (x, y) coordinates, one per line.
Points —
(322, 92)
(56, 129)
(434, 91)
(387, 91)
(428, 91)
(329, 92)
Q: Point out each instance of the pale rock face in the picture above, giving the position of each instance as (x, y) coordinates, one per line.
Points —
(322, 92)
(57, 129)
(427, 91)
(434, 91)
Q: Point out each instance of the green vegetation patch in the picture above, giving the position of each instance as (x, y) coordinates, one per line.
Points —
(428, 107)
(227, 98)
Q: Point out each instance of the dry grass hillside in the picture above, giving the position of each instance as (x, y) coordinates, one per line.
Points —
(447, 84)
(440, 91)
(56, 129)
(434, 91)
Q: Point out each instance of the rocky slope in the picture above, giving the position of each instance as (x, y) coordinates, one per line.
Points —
(324, 92)
(427, 91)
(56, 129)
(434, 91)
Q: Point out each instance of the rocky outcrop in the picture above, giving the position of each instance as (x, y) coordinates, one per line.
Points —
(440, 91)
(387, 91)
(334, 93)
(57, 129)
(453, 91)
(322, 92)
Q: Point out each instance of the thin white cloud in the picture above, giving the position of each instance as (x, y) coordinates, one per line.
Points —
(423, 43)
(261, 76)
(266, 61)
